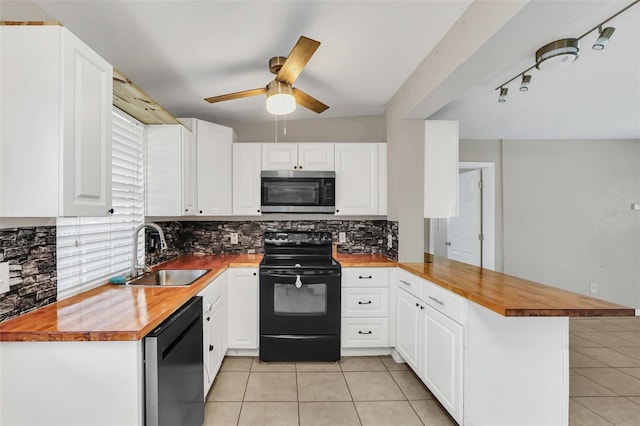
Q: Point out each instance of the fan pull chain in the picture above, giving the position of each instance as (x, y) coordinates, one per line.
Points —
(276, 128)
(285, 125)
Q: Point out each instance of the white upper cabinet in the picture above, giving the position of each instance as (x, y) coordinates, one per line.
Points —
(170, 159)
(246, 179)
(303, 156)
(214, 158)
(356, 178)
(440, 168)
(55, 138)
(382, 179)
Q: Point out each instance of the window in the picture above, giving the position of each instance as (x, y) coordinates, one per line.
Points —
(90, 250)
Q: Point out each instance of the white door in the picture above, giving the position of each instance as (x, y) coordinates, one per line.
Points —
(279, 156)
(246, 179)
(356, 178)
(463, 242)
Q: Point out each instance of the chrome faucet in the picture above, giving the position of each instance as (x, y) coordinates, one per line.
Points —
(135, 266)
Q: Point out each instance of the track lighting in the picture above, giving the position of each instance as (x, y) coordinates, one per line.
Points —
(562, 52)
(603, 39)
(526, 81)
(503, 95)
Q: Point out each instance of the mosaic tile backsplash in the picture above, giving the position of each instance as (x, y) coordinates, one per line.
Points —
(31, 254)
(362, 236)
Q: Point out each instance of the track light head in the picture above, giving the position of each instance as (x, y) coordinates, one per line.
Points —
(503, 95)
(526, 81)
(603, 39)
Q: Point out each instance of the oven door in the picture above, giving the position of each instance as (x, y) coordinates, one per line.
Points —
(305, 302)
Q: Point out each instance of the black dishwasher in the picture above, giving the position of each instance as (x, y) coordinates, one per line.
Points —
(174, 369)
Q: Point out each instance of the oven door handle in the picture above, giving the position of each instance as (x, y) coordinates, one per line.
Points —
(293, 274)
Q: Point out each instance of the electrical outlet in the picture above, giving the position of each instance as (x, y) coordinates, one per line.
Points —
(594, 288)
(4, 277)
(234, 238)
(342, 237)
(389, 241)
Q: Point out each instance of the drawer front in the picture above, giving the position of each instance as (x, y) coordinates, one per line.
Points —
(365, 302)
(409, 282)
(365, 332)
(442, 300)
(365, 277)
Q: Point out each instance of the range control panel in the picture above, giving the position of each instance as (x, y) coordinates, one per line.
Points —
(298, 238)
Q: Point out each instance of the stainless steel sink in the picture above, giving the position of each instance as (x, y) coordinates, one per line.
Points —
(170, 277)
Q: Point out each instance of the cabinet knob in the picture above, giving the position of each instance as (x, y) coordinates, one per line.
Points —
(254, 274)
(337, 211)
(208, 318)
(258, 210)
(200, 211)
(421, 307)
(210, 348)
(300, 167)
(110, 211)
(295, 167)
(186, 210)
(417, 305)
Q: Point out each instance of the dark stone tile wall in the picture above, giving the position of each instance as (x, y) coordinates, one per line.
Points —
(31, 253)
(362, 236)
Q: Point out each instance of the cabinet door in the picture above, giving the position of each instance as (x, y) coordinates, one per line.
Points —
(87, 95)
(164, 170)
(316, 156)
(382, 179)
(242, 308)
(408, 325)
(246, 179)
(442, 359)
(279, 156)
(356, 179)
(213, 348)
(214, 157)
(440, 168)
(189, 190)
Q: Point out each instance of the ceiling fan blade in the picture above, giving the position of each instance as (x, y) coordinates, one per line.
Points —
(237, 95)
(309, 102)
(297, 59)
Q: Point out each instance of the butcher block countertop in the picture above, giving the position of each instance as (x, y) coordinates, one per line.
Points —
(511, 296)
(116, 312)
(347, 260)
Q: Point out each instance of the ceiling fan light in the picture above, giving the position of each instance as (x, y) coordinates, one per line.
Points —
(557, 53)
(603, 39)
(280, 100)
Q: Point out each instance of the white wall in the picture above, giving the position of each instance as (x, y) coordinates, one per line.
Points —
(567, 216)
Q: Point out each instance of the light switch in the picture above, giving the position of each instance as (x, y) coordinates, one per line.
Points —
(234, 238)
(342, 237)
(4, 277)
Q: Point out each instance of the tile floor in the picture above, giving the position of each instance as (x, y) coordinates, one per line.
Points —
(355, 391)
(604, 359)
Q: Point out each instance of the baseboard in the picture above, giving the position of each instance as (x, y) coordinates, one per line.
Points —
(364, 351)
(242, 352)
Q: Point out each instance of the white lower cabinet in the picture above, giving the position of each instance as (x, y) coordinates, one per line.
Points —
(442, 359)
(430, 341)
(365, 308)
(243, 308)
(214, 323)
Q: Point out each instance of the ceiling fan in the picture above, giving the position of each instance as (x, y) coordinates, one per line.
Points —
(281, 96)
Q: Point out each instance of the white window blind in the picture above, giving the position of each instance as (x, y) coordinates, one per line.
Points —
(90, 250)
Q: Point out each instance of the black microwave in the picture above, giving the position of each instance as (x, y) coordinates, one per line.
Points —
(293, 191)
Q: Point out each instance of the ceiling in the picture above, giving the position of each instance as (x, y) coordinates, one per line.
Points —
(180, 52)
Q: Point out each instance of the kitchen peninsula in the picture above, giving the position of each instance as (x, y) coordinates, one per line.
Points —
(514, 352)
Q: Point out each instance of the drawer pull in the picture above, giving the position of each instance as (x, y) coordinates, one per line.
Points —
(364, 303)
(438, 301)
(210, 348)
(405, 282)
(368, 277)
(365, 332)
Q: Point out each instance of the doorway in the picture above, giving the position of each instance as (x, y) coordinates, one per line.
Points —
(469, 237)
